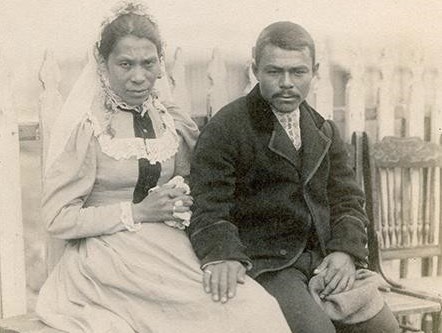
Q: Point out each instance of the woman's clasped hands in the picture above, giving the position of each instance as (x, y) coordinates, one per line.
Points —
(167, 202)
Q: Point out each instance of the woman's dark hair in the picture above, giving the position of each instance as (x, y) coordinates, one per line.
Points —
(128, 24)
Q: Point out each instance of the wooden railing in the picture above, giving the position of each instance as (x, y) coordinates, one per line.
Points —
(373, 93)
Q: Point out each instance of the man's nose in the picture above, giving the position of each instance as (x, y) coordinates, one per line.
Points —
(138, 75)
(286, 81)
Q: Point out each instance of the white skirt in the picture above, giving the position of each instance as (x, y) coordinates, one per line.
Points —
(147, 281)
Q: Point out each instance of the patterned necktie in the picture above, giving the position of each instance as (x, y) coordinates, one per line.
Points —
(290, 123)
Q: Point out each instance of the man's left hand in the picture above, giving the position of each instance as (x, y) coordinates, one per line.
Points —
(339, 271)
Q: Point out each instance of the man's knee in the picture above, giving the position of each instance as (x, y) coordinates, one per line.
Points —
(383, 322)
(313, 323)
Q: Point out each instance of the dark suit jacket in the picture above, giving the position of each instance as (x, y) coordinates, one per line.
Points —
(256, 200)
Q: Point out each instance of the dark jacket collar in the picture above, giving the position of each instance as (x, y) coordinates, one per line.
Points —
(315, 142)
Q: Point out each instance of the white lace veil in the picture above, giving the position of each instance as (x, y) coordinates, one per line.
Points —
(81, 100)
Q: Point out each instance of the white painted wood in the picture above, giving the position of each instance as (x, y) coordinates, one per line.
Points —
(51, 103)
(355, 97)
(162, 85)
(251, 78)
(178, 84)
(385, 116)
(416, 110)
(436, 114)
(322, 87)
(217, 95)
(436, 136)
(12, 266)
(50, 99)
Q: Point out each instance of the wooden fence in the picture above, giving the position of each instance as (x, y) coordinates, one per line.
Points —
(391, 95)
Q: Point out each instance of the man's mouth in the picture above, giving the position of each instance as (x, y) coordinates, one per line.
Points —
(287, 97)
(138, 92)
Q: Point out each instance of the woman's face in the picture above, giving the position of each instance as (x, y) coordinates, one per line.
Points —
(133, 67)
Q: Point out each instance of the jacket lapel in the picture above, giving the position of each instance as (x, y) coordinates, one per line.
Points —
(266, 122)
(280, 143)
(315, 143)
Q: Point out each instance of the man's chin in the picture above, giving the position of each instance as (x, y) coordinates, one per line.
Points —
(285, 107)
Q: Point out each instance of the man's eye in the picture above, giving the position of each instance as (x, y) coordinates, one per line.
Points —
(125, 65)
(150, 63)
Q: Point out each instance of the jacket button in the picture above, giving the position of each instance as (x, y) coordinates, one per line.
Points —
(283, 252)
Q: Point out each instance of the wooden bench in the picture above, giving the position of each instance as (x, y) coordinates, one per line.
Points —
(25, 324)
(402, 183)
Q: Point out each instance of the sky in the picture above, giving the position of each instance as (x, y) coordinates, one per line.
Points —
(67, 27)
(28, 26)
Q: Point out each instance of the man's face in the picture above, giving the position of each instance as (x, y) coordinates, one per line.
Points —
(284, 76)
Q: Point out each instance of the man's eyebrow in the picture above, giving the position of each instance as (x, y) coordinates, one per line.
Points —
(272, 66)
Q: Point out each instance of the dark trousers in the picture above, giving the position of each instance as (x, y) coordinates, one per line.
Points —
(290, 287)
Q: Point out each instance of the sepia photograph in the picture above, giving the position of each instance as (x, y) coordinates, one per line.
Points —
(200, 166)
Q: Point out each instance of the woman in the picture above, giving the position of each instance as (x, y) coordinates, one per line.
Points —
(107, 190)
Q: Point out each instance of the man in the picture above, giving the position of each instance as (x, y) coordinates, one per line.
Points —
(273, 193)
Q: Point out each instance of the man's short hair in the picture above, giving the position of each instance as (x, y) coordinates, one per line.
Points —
(285, 35)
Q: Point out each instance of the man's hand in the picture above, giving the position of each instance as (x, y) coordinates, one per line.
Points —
(339, 270)
(220, 279)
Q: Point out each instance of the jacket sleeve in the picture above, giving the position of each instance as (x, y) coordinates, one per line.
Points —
(213, 177)
(66, 187)
(348, 220)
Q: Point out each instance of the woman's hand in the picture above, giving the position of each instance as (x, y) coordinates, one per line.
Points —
(159, 205)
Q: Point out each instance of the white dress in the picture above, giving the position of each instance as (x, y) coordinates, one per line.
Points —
(110, 279)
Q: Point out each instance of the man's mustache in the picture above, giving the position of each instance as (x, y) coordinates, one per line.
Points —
(286, 95)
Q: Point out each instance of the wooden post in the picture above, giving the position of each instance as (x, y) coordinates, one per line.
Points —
(386, 127)
(436, 137)
(217, 96)
(385, 117)
(12, 264)
(251, 79)
(355, 97)
(162, 85)
(177, 77)
(323, 89)
(50, 107)
(50, 99)
(416, 109)
(416, 127)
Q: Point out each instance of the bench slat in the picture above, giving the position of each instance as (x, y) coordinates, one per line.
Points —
(25, 324)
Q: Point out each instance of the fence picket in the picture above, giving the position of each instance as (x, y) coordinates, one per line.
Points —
(177, 77)
(355, 97)
(385, 120)
(217, 95)
(323, 89)
(12, 266)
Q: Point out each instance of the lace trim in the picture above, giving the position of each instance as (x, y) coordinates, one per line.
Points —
(155, 150)
(127, 218)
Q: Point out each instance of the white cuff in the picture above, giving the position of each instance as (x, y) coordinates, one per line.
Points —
(127, 218)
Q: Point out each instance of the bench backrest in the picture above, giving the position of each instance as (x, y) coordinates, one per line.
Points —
(403, 177)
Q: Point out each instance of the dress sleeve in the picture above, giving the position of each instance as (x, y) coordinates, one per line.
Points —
(187, 132)
(66, 187)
